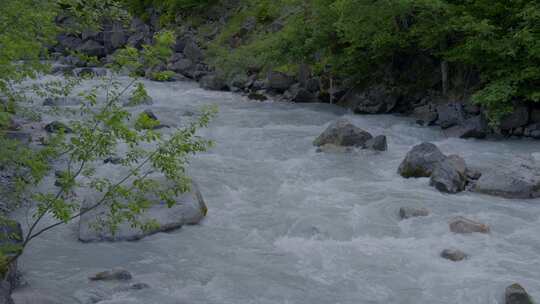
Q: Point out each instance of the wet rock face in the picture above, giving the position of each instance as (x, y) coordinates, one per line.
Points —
(523, 182)
(454, 255)
(516, 294)
(421, 161)
(464, 225)
(343, 133)
(410, 212)
(190, 209)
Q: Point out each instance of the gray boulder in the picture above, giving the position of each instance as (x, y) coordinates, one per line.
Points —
(114, 36)
(213, 82)
(454, 255)
(410, 212)
(112, 275)
(522, 182)
(92, 48)
(193, 52)
(302, 95)
(184, 66)
(377, 143)
(373, 100)
(421, 161)
(474, 127)
(190, 209)
(464, 225)
(449, 175)
(516, 294)
(343, 133)
(450, 114)
(425, 115)
(279, 82)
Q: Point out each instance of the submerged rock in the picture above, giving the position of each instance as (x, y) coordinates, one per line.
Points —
(190, 209)
(343, 133)
(464, 225)
(454, 255)
(421, 161)
(516, 294)
(409, 212)
(522, 182)
(112, 275)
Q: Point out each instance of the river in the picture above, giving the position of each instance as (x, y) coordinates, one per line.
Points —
(292, 226)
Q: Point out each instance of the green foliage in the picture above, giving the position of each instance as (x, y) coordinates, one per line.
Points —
(139, 95)
(162, 76)
(363, 40)
(145, 122)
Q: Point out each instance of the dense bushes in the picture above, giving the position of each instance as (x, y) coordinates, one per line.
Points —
(490, 49)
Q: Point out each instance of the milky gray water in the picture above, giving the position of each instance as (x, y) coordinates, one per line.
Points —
(292, 226)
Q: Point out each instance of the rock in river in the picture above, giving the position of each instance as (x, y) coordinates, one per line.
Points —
(190, 209)
(522, 182)
(421, 161)
(464, 226)
(343, 133)
(454, 255)
(409, 212)
(449, 175)
(112, 275)
(516, 294)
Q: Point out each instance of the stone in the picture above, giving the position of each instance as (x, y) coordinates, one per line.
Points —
(114, 160)
(450, 114)
(302, 95)
(92, 48)
(343, 133)
(193, 52)
(184, 66)
(421, 161)
(474, 127)
(516, 294)
(522, 182)
(189, 209)
(518, 118)
(373, 100)
(454, 255)
(425, 115)
(68, 42)
(112, 275)
(279, 82)
(257, 96)
(410, 212)
(213, 82)
(377, 143)
(57, 127)
(114, 36)
(449, 175)
(464, 225)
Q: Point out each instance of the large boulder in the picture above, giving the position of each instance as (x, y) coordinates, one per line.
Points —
(450, 175)
(279, 82)
(522, 182)
(213, 82)
(92, 48)
(450, 114)
(373, 100)
(183, 66)
(189, 209)
(516, 294)
(464, 225)
(473, 127)
(343, 133)
(421, 161)
(425, 115)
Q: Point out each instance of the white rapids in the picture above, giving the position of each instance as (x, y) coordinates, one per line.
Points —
(289, 225)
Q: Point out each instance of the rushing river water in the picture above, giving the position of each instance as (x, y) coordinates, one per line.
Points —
(289, 225)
